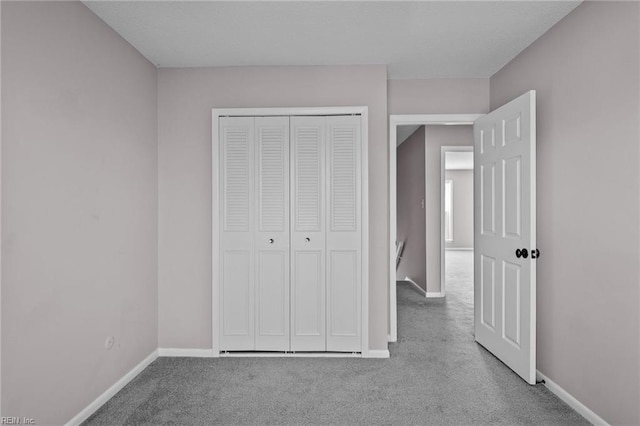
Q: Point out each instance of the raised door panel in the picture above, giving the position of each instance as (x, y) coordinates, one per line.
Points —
(272, 300)
(511, 304)
(308, 234)
(343, 297)
(487, 294)
(344, 234)
(272, 233)
(236, 236)
(237, 313)
(308, 308)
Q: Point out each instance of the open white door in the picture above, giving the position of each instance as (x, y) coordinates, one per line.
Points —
(505, 234)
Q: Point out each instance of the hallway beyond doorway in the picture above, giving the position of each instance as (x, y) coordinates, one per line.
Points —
(459, 281)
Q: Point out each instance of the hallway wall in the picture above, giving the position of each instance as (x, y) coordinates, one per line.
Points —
(410, 211)
(462, 208)
(587, 75)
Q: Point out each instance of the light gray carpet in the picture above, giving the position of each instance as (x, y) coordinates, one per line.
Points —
(437, 375)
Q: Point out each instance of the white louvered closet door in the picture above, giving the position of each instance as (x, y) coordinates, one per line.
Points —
(272, 233)
(308, 307)
(344, 234)
(237, 233)
(290, 234)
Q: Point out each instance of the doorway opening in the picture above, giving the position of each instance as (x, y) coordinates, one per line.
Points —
(433, 121)
(457, 221)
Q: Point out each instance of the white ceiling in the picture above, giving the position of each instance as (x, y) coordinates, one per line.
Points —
(458, 160)
(416, 39)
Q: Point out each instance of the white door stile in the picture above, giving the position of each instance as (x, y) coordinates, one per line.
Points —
(216, 172)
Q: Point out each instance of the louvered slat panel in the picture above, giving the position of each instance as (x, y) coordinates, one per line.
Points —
(343, 179)
(272, 178)
(236, 179)
(308, 179)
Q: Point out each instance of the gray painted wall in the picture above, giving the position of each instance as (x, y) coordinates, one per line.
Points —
(586, 73)
(410, 213)
(439, 96)
(185, 100)
(462, 208)
(79, 209)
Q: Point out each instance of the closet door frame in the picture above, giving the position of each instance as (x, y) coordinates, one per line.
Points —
(363, 112)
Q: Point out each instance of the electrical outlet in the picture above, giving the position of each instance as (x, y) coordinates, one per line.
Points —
(108, 344)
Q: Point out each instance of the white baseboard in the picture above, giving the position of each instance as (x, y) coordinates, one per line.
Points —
(109, 393)
(378, 353)
(434, 294)
(571, 401)
(409, 280)
(291, 355)
(191, 353)
(459, 248)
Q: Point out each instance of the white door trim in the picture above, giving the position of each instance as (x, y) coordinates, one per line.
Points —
(443, 152)
(216, 113)
(394, 122)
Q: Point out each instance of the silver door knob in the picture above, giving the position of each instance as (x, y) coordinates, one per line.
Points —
(307, 239)
(270, 240)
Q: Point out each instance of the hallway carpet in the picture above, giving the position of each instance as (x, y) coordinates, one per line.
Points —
(436, 375)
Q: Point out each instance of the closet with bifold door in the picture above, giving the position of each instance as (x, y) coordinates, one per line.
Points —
(290, 233)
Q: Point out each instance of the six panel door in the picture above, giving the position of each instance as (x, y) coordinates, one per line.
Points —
(504, 281)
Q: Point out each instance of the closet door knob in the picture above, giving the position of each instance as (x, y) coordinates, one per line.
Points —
(307, 239)
(522, 253)
(270, 240)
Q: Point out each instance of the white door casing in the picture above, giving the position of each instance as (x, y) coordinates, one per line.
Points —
(394, 122)
(505, 221)
(255, 191)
